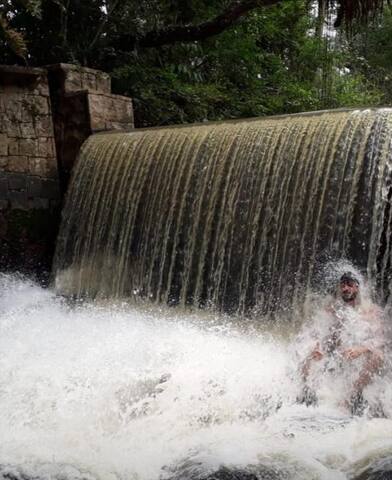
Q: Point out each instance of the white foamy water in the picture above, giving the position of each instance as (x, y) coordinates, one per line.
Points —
(119, 392)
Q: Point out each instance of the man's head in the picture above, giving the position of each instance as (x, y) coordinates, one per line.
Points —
(349, 287)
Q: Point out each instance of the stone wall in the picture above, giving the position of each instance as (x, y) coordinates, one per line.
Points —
(26, 132)
(45, 116)
(83, 104)
(29, 189)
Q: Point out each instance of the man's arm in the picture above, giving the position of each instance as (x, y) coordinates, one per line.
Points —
(308, 395)
(355, 352)
(373, 354)
(374, 346)
(314, 356)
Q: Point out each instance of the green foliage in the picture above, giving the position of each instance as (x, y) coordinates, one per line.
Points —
(269, 64)
(273, 61)
(12, 39)
(371, 55)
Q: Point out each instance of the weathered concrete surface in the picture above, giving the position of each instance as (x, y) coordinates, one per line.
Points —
(109, 112)
(73, 78)
(83, 105)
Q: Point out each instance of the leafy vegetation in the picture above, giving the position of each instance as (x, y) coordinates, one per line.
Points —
(371, 54)
(196, 60)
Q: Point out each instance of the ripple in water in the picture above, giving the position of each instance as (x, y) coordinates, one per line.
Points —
(102, 391)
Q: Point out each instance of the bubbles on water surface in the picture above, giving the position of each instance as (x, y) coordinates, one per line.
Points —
(97, 390)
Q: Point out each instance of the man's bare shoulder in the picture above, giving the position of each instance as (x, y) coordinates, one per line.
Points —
(372, 313)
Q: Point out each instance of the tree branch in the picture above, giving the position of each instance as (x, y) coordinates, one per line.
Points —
(192, 33)
(361, 10)
(102, 25)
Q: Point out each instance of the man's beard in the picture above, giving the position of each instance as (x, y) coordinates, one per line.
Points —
(349, 297)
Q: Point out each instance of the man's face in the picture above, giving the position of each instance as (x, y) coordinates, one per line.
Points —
(349, 291)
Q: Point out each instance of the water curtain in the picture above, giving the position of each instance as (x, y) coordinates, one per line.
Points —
(235, 215)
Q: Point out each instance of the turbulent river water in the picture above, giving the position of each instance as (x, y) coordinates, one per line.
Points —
(118, 391)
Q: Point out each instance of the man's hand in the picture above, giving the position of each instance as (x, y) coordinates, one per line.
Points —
(316, 353)
(354, 352)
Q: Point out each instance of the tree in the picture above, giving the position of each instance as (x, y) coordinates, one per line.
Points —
(101, 11)
(270, 63)
(371, 54)
(195, 60)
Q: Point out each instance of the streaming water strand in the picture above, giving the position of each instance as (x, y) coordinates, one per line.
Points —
(234, 215)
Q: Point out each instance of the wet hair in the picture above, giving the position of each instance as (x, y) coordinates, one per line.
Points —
(349, 277)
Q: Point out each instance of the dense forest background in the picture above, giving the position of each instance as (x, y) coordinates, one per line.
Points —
(197, 60)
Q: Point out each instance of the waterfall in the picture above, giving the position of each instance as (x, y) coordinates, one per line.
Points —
(235, 215)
